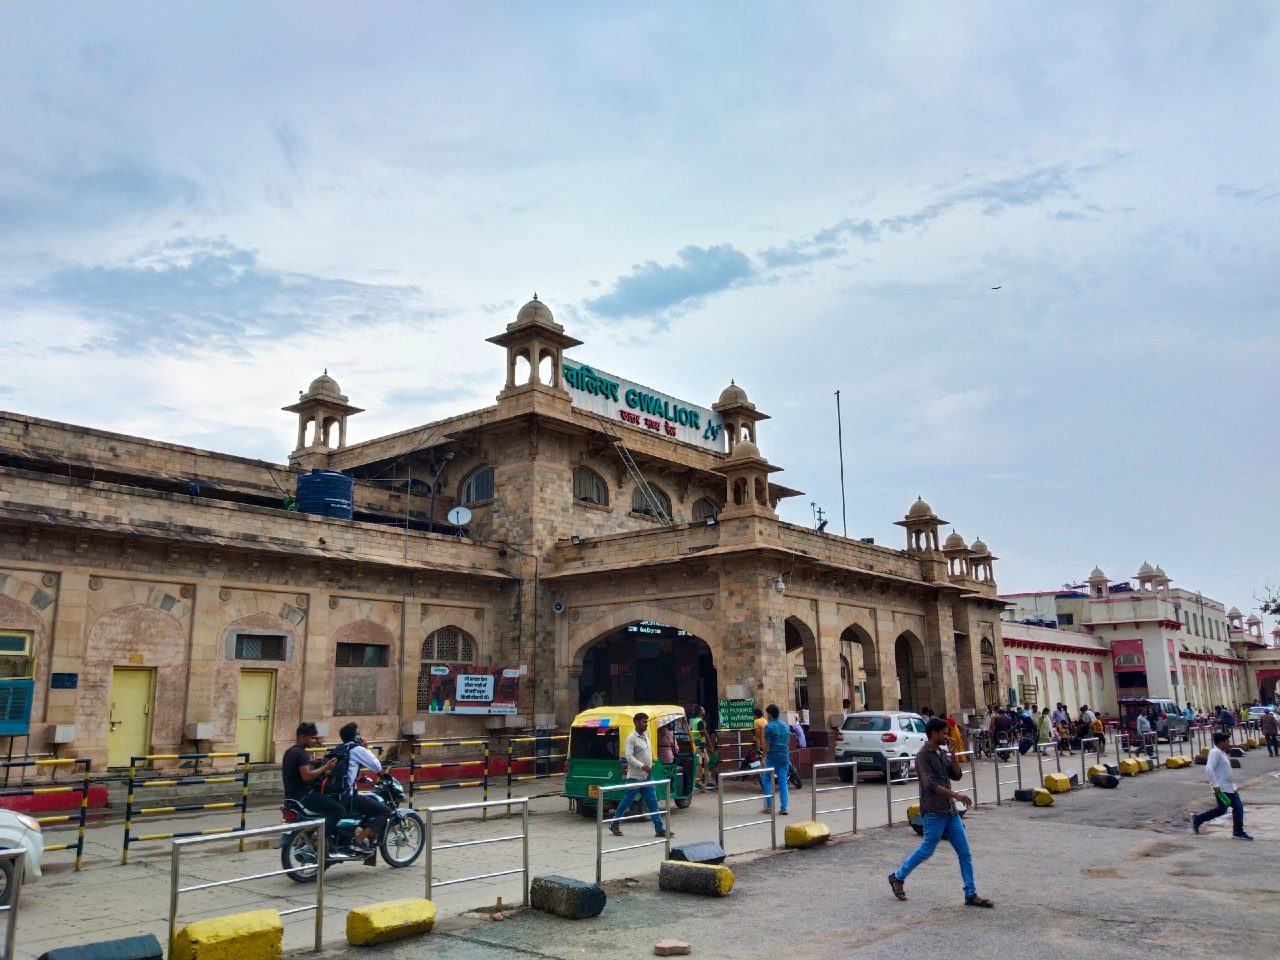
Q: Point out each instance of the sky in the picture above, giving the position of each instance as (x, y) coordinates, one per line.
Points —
(1035, 247)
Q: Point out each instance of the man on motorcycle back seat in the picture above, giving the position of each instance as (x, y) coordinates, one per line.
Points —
(371, 808)
(302, 780)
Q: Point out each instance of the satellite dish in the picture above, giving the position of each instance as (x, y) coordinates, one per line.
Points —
(459, 516)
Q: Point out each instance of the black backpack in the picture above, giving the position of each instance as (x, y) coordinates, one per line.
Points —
(336, 783)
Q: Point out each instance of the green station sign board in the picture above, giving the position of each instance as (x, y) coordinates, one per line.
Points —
(737, 714)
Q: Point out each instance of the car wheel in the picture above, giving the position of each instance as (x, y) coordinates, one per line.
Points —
(846, 774)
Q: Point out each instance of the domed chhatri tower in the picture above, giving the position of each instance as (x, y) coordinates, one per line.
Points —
(739, 414)
(922, 525)
(746, 470)
(534, 336)
(322, 405)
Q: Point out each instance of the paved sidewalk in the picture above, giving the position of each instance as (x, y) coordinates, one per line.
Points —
(107, 899)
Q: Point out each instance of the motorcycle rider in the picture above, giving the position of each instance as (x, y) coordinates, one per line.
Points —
(302, 780)
(370, 809)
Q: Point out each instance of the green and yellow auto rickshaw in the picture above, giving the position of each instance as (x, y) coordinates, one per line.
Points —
(597, 758)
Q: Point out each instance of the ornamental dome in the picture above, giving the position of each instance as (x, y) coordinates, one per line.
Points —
(954, 542)
(1145, 570)
(325, 386)
(1234, 612)
(978, 548)
(1252, 620)
(919, 509)
(1160, 572)
(732, 394)
(744, 449)
(535, 311)
(1097, 574)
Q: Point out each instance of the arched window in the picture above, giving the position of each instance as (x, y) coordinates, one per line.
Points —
(705, 508)
(588, 486)
(988, 648)
(448, 645)
(478, 486)
(641, 503)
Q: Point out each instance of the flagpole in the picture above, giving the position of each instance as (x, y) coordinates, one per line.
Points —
(844, 516)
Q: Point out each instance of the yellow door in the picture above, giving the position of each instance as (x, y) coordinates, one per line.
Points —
(129, 724)
(253, 719)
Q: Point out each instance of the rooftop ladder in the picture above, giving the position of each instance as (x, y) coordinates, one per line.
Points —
(654, 504)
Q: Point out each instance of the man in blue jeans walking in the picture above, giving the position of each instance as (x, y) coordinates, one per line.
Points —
(936, 770)
(639, 764)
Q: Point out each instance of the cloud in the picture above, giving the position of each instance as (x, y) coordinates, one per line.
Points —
(33, 196)
(291, 145)
(195, 294)
(1263, 193)
(653, 289)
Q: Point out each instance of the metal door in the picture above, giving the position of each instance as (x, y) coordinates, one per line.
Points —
(254, 714)
(129, 723)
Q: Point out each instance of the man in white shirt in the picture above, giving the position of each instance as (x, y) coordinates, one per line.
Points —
(1217, 769)
(639, 763)
(1144, 733)
(358, 755)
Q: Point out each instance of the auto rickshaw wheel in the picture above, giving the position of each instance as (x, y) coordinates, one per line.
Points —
(586, 809)
(683, 802)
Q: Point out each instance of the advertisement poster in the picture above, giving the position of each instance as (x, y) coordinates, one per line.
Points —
(468, 689)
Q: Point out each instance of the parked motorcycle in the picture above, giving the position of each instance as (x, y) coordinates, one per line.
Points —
(401, 842)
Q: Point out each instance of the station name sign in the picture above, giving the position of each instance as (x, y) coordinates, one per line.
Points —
(641, 406)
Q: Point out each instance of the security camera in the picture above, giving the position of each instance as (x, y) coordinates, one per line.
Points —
(557, 606)
(780, 586)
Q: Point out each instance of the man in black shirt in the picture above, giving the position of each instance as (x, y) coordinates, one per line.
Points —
(301, 779)
(937, 807)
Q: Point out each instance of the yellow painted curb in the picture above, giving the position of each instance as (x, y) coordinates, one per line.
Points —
(1144, 764)
(1042, 797)
(390, 920)
(708, 879)
(1057, 783)
(806, 833)
(1130, 767)
(1099, 769)
(1176, 763)
(256, 935)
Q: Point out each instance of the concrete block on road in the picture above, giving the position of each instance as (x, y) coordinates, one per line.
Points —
(1144, 764)
(390, 920)
(1237, 752)
(1097, 768)
(1235, 763)
(1107, 781)
(1177, 763)
(1130, 767)
(256, 935)
(566, 897)
(1024, 796)
(130, 948)
(1043, 798)
(702, 851)
(1202, 760)
(700, 878)
(1057, 783)
(1113, 769)
(806, 833)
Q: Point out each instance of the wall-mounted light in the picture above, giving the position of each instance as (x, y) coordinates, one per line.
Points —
(576, 540)
(710, 521)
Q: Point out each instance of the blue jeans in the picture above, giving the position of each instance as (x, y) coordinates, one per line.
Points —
(1236, 807)
(780, 767)
(650, 797)
(935, 828)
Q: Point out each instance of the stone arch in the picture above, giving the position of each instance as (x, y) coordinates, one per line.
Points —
(366, 694)
(260, 613)
(805, 693)
(912, 667)
(873, 695)
(22, 617)
(586, 633)
(134, 636)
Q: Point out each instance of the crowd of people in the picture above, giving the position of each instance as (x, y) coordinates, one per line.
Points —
(1029, 727)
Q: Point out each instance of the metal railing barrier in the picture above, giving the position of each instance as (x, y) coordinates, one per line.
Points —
(139, 783)
(454, 763)
(82, 788)
(1005, 765)
(14, 855)
(814, 790)
(538, 758)
(972, 757)
(760, 797)
(908, 775)
(1088, 744)
(621, 788)
(483, 807)
(175, 870)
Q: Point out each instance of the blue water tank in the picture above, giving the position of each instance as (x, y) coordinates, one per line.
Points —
(326, 494)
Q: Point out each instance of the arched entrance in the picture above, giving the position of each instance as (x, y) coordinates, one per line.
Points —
(867, 690)
(909, 658)
(990, 686)
(648, 662)
(802, 662)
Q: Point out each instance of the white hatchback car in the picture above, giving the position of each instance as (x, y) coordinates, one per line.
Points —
(19, 830)
(878, 739)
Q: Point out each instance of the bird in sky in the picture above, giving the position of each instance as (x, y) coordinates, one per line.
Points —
(995, 288)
